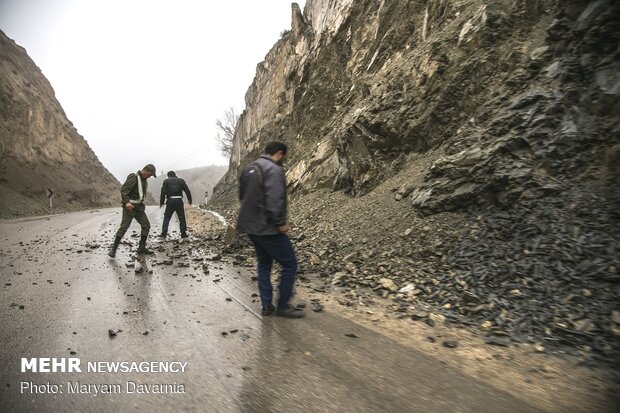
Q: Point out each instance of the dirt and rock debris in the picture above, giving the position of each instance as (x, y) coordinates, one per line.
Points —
(526, 368)
(75, 263)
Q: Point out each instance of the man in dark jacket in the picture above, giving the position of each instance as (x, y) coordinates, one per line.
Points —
(263, 216)
(172, 194)
(132, 200)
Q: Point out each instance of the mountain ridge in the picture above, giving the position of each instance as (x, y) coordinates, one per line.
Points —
(40, 148)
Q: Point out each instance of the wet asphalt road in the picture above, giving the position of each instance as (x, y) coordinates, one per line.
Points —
(73, 294)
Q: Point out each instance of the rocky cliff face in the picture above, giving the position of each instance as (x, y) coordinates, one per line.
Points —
(459, 157)
(40, 148)
(356, 86)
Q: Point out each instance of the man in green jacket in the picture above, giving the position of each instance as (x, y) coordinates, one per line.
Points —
(133, 192)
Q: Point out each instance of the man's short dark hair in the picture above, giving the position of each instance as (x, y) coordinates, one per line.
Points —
(273, 147)
(171, 174)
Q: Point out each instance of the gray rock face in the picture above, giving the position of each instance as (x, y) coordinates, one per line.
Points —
(40, 148)
(351, 95)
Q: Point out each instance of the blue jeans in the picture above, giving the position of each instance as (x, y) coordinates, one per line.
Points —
(279, 248)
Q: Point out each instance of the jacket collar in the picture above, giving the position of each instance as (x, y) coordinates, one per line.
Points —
(268, 158)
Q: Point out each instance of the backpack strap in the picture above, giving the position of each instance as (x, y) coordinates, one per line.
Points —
(261, 178)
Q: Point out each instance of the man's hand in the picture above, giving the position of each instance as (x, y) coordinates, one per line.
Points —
(129, 206)
(283, 229)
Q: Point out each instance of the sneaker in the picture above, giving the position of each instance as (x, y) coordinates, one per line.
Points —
(290, 312)
(269, 310)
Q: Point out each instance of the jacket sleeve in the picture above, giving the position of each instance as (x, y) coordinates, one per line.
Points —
(187, 192)
(162, 195)
(275, 197)
(127, 187)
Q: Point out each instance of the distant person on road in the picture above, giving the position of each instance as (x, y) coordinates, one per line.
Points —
(263, 216)
(133, 192)
(172, 195)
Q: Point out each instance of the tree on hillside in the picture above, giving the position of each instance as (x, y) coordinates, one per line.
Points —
(226, 130)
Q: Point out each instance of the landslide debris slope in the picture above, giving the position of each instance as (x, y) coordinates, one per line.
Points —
(455, 158)
(40, 148)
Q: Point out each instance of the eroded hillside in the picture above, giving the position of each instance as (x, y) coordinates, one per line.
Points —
(459, 158)
(40, 148)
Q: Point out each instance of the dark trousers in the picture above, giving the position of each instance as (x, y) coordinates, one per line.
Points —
(139, 215)
(279, 248)
(174, 205)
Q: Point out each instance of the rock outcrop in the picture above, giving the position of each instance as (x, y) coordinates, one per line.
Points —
(465, 152)
(40, 148)
(357, 85)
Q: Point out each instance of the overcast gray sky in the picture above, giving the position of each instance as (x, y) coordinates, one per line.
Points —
(145, 80)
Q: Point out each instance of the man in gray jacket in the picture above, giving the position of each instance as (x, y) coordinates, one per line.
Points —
(263, 216)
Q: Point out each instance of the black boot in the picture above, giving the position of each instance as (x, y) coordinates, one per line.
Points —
(113, 248)
(269, 310)
(290, 312)
(142, 246)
